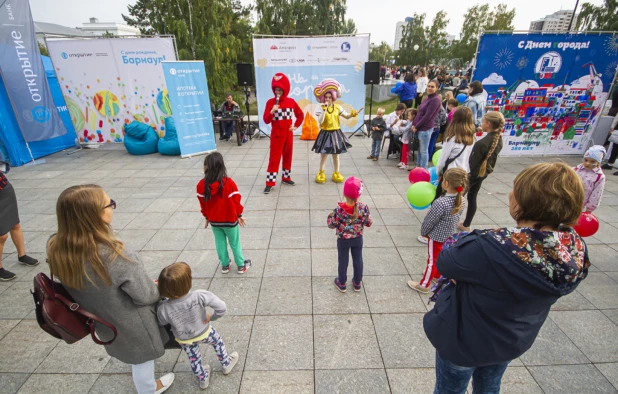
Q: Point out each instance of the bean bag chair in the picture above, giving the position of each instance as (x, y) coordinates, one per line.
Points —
(140, 139)
(168, 145)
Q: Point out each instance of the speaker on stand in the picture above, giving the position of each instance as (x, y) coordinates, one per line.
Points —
(372, 76)
(244, 72)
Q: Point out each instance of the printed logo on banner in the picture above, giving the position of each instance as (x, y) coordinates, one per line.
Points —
(173, 71)
(548, 65)
(345, 47)
(273, 48)
(64, 55)
(41, 114)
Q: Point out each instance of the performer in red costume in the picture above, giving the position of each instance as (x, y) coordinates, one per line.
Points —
(278, 111)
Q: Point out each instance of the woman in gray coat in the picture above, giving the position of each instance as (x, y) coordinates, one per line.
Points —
(109, 282)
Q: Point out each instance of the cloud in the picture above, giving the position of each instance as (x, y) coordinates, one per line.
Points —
(494, 79)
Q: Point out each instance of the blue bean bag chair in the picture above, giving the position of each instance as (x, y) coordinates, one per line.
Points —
(168, 145)
(140, 139)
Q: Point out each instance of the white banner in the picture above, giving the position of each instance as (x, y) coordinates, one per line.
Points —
(308, 61)
(108, 83)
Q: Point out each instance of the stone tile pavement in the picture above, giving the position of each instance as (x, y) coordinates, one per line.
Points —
(294, 331)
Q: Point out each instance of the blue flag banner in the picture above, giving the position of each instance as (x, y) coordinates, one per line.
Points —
(551, 88)
(188, 93)
(24, 76)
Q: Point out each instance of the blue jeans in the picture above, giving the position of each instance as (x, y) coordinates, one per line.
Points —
(432, 142)
(453, 379)
(423, 151)
(228, 128)
(375, 147)
(344, 248)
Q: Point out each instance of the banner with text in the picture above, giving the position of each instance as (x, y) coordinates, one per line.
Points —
(308, 61)
(24, 76)
(186, 82)
(550, 87)
(108, 83)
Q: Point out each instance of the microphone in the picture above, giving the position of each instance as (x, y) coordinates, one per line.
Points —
(277, 101)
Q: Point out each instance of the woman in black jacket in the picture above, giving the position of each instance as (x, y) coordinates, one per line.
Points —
(483, 161)
(504, 281)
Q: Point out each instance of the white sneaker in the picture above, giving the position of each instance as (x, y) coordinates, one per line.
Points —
(204, 383)
(404, 167)
(400, 164)
(166, 381)
(233, 360)
(423, 240)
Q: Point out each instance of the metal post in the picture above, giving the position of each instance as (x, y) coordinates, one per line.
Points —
(573, 16)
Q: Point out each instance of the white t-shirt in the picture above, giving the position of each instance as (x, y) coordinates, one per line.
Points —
(421, 84)
(451, 149)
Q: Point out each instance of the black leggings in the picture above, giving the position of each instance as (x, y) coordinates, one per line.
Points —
(344, 247)
(473, 191)
(419, 98)
(613, 155)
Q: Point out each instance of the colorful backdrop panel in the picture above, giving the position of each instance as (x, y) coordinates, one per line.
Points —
(550, 87)
(308, 61)
(108, 83)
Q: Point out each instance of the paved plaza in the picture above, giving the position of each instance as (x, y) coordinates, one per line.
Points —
(294, 331)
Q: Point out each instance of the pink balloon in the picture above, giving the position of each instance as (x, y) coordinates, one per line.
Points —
(587, 225)
(419, 174)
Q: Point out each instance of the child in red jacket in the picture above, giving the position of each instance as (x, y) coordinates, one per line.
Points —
(220, 202)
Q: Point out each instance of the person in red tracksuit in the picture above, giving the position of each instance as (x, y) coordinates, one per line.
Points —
(279, 111)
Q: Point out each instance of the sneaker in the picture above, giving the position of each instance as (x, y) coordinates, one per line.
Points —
(616, 173)
(166, 381)
(404, 167)
(27, 260)
(288, 182)
(607, 166)
(357, 286)
(224, 138)
(6, 275)
(370, 157)
(267, 189)
(423, 240)
(417, 286)
(233, 360)
(204, 383)
(245, 267)
(375, 158)
(225, 269)
(339, 286)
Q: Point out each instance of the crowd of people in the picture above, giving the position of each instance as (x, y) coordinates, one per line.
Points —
(502, 281)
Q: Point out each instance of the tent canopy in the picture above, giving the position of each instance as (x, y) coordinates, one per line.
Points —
(11, 136)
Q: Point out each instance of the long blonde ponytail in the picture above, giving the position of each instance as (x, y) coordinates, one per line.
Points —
(496, 120)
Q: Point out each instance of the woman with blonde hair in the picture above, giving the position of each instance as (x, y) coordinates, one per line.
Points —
(108, 281)
(483, 161)
(504, 281)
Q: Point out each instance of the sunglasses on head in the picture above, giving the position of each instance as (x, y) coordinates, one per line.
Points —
(112, 204)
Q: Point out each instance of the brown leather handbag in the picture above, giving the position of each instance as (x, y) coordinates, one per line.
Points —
(60, 316)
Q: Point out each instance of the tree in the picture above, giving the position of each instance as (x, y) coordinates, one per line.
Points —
(215, 31)
(43, 49)
(413, 35)
(598, 18)
(295, 17)
(381, 53)
(107, 34)
(437, 44)
(477, 19)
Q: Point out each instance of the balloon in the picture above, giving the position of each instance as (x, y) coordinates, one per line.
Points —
(421, 194)
(433, 175)
(420, 208)
(436, 157)
(461, 97)
(419, 174)
(586, 226)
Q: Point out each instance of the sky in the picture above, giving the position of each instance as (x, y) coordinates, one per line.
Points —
(379, 21)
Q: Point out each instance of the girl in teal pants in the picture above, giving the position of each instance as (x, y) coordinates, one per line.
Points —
(220, 205)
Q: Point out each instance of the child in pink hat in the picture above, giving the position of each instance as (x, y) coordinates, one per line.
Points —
(349, 219)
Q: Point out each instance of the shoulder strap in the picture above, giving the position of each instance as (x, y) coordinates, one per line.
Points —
(73, 306)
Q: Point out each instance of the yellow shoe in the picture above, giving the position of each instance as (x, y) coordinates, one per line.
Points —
(337, 177)
(321, 177)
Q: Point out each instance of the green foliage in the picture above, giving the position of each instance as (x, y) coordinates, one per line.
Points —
(381, 53)
(299, 17)
(43, 49)
(598, 18)
(215, 31)
(413, 34)
(478, 19)
(437, 46)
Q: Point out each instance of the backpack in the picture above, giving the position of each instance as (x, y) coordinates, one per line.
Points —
(60, 316)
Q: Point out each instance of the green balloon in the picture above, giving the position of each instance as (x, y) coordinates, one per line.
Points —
(436, 157)
(421, 194)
